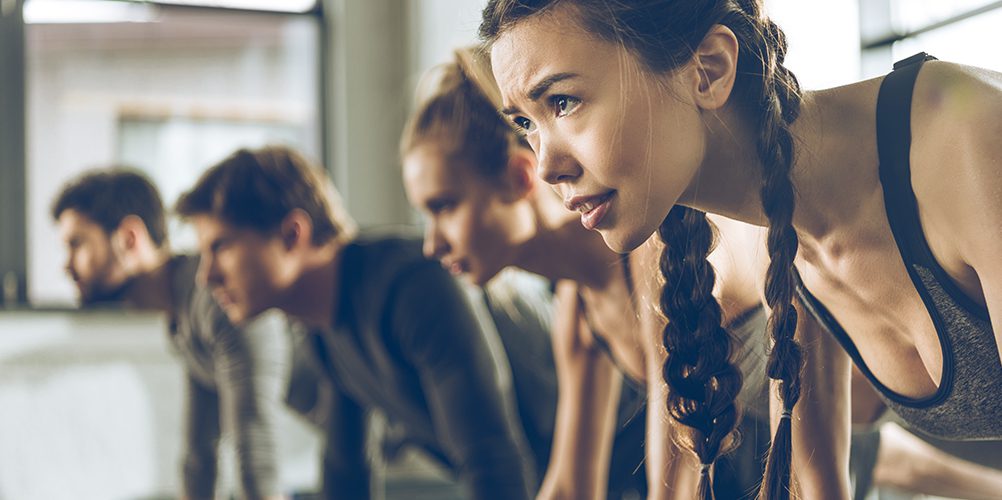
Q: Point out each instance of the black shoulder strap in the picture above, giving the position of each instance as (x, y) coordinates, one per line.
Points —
(894, 104)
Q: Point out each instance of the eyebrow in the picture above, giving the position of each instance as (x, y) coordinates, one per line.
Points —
(540, 88)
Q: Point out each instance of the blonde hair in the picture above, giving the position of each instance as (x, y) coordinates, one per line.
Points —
(456, 109)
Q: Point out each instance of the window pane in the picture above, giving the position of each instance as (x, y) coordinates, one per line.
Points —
(972, 41)
(169, 90)
(910, 15)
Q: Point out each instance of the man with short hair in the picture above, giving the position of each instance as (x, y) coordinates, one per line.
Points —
(398, 334)
(112, 223)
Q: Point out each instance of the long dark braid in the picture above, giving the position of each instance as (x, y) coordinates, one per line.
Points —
(704, 384)
(774, 104)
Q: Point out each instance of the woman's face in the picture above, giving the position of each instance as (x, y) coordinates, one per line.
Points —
(470, 223)
(620, 143)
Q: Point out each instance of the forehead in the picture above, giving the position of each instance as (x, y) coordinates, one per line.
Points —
(545, 44)
(72, 222)
(209, 226)
(428, 170)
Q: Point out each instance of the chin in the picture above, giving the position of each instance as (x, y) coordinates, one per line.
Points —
(236, 314)
(477, 280)
(624, 242)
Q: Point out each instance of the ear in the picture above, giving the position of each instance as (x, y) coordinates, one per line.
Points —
(520, 173)
(296, 230)
(715, 63)
(129, 235)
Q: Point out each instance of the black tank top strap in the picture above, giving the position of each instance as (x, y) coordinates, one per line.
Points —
(894, 111)
(894, 104)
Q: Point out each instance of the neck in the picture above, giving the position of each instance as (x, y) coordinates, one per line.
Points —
(556, 230)
(730, 178)
(313, 296)
(151, 287)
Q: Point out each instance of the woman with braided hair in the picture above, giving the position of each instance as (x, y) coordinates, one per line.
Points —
(471, 176)
(648, 115)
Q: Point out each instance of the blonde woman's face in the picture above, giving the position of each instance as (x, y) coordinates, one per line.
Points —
(620, 144)
(468, 222)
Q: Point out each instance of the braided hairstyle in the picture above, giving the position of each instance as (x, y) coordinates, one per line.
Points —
(703, 383)
(457, 110)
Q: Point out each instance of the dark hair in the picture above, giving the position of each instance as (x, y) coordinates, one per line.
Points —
(702, 381)
(256, 189)
(107, 196)
(457, 110)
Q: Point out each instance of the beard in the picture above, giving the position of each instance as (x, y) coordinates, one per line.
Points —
(100, 290)
(99, 294)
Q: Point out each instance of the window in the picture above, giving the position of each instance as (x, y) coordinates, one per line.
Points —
(963, 31)
(164, 88)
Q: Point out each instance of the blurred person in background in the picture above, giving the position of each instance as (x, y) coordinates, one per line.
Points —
(398, 334)
(113, 226)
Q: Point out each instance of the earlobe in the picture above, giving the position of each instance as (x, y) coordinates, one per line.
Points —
(715, 62)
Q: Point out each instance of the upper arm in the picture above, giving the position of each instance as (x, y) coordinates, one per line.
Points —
(956, 161)
(982, 218)
(465, 376)
(587, 404)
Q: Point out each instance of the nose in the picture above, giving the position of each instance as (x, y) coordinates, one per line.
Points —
(435, 245)
(208, 272)
(69, 265)
(554, 165)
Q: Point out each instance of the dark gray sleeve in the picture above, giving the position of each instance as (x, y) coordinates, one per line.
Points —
(468, 388)
(201, 432)
(251, 371)
(345, 468)
(312, 393)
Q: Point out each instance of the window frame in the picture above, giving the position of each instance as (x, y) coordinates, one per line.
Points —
(13, 174)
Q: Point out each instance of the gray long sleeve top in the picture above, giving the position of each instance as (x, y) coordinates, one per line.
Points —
(236, 384)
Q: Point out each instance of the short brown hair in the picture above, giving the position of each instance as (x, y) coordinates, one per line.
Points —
(108, 195)
(257, 188)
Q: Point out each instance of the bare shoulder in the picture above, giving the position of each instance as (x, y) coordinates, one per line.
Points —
(956, 152)
(959, 104)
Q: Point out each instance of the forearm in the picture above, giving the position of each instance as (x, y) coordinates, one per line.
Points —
(908, 463)
(495, 469)
(588, 397)
(821, 419)
(198, 477)
(201, 439)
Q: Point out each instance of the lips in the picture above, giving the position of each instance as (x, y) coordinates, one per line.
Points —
(455, 267)
(222, 298)
(592, 208)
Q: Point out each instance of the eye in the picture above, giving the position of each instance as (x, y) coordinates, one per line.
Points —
(564, 105)
(440, 206)
(217, 245)
(523, 124)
